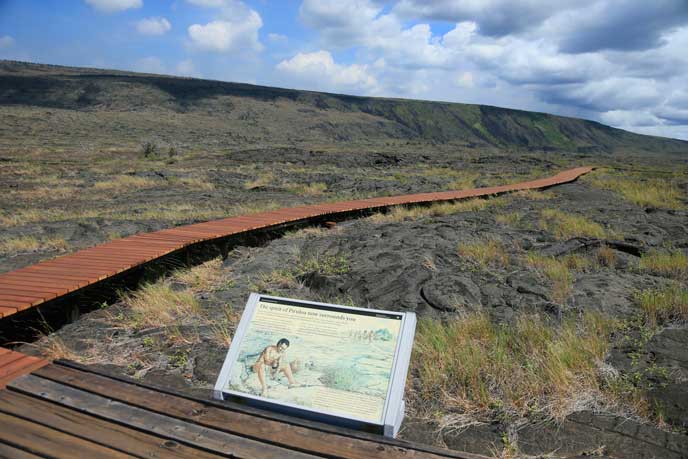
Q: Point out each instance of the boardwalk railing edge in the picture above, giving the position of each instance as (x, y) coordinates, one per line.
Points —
(46, 281)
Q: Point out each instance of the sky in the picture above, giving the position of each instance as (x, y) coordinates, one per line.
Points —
(621, 62)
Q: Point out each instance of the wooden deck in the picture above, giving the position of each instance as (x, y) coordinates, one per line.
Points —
(34, 285)
(64, 410)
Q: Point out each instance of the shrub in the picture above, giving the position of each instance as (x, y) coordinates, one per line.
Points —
(149, 149)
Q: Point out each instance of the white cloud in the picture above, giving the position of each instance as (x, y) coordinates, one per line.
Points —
(6, 42)
(150, 64)
(629, 119)
(495, 18)
(563, 57)
(187, 68)
(236, 29)
(342, 23)
(320, 69)
(277, 37)
(114, 6)
(207, 3)
(153, 26)
(465, 80)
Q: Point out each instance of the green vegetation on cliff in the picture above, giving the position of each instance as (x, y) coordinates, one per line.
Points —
(66, 107)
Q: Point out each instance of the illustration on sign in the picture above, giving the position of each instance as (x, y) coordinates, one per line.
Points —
(331, 361)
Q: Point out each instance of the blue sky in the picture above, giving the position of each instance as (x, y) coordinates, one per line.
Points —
(621, 62)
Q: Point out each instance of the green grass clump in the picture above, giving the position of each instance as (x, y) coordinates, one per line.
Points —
(665, 305)
(557, 271)
(565, 226)
(328, 265)
(476, 366)
(488, 253)
(672, 263)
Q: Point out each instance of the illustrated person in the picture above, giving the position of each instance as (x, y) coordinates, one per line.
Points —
(273, 356)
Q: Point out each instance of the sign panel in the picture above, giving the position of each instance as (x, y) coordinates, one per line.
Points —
(335, 362)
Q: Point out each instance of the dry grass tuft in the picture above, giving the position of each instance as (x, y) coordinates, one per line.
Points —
(509, 218)
(48, 193)
(195, 183)
(401, 213)
(20, 217)
(54, 348)
(558, 273)
(204, 277)
(672, 263)
(463, 181)
(651, 192)
(533, 195)
(606, 256)
(277, 279)
(262, 180)
(125, 183)
(308, 232)
(158, 305)
(564, 226)
(486, 253)
(26, 244)
(474, 366)
(326, 265)
(664, 305)
(310, 189)
(221, 330)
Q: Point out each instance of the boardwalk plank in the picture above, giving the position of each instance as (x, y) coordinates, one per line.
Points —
(232, 421)
(99, 431)
(51, 443)
(20, 366)
(9, 357)
(158, 424)
(10, 452)
(7, 311)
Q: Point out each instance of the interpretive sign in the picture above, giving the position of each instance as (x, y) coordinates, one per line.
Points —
(326, 362)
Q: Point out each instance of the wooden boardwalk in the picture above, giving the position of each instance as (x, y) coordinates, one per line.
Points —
(14, 364)
(64, 410)
(34, 285)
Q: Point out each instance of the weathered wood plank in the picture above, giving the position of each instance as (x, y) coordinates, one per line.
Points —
(96, 430)
(10, 452)
(315, 437)
(158, 424)
(48, 442)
